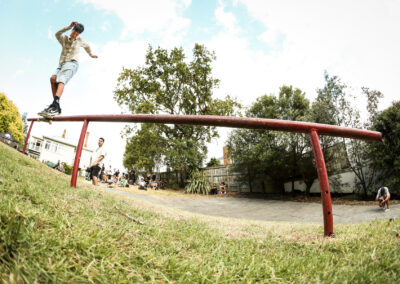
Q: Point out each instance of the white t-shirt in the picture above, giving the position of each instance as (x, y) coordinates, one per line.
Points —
(96, 155)
(382, 192)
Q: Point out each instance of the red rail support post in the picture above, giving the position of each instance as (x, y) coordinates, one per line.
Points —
(323, 184)
(27, 137)
(78, 153)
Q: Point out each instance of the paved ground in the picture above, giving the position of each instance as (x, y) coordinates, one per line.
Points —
(266, 210)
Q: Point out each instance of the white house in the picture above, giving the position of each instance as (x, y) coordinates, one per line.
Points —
(57, 149)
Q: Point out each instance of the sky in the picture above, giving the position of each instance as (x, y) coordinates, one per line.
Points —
(260, 45)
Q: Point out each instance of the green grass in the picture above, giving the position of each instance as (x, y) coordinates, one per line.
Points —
(50, 233)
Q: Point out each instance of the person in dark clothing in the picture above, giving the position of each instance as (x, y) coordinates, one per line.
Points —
(214, 189)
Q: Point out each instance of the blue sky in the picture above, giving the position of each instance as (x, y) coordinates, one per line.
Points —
(260, 45)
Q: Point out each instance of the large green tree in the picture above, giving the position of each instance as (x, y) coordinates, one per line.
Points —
(168, 84)
(10, 119)
(294, 106)
(386, 155)
(331, 106)
(358, 151)
(271, 153)
(142, 150)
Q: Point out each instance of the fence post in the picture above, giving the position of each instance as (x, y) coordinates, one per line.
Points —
(78, 153)
(323, 184)
(27, 137)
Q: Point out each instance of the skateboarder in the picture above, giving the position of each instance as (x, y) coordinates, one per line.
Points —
(383, 197)
(68, 65)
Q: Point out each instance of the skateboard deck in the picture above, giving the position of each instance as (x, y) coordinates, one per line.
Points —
(45, 118)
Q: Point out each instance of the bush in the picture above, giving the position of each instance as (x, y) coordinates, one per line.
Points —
(10, 120)
(198, 183)
(68, 169)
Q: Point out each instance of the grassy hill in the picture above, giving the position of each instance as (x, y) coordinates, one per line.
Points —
(50, 232)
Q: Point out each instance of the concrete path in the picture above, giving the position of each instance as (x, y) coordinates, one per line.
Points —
(267, 210)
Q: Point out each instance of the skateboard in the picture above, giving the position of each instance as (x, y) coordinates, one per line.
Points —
(45, 118)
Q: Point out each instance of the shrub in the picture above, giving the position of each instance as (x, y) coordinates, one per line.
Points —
(198, 183)
(10, 120)
(67, 169)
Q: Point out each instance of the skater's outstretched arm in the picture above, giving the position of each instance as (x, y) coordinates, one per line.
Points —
(88, 50)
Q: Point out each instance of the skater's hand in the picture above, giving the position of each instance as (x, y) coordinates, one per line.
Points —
(73, 24)
(94, 56)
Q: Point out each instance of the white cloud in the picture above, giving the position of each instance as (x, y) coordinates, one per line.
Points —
(19, 73)
(356, 40)
(105, 26)
(152, 16)
(226, 19)
(50, 33)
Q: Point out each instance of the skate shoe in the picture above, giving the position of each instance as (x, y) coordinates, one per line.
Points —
(51, 112)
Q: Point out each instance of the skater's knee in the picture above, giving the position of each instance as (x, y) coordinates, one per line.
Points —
(53, 79)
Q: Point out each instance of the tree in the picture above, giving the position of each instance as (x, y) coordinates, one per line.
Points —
(142, 150)
(330, 107)
(10, 119)
(24, 118)
(385, 156)
(271, 153)
(168, 84)
(294, 106)
(358, 151)
(213, 162)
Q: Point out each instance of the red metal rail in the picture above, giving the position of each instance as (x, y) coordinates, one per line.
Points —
(313, 129)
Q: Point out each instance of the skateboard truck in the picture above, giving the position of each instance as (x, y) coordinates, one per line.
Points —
(45, 119)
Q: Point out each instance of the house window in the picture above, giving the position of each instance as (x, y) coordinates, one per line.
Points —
(47, 145)
(38, 144)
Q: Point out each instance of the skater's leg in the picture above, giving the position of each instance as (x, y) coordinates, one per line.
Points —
(53, 84)
(60, 90)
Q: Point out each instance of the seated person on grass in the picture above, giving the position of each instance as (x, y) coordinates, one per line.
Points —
(214, 189)
(222, 188)
(122, 182)
(142, 185)
(161, 184)
(383, 197)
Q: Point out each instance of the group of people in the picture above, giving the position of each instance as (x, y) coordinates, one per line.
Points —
(222, 188)
(114, 177)
(60, 166)
(150, 181)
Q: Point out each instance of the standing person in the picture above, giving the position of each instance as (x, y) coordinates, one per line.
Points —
(383, 197)
(95, 160)
(132, 176)
(68, 65)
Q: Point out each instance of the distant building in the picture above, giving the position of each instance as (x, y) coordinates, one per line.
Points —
(54, 149)
(8, 139)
